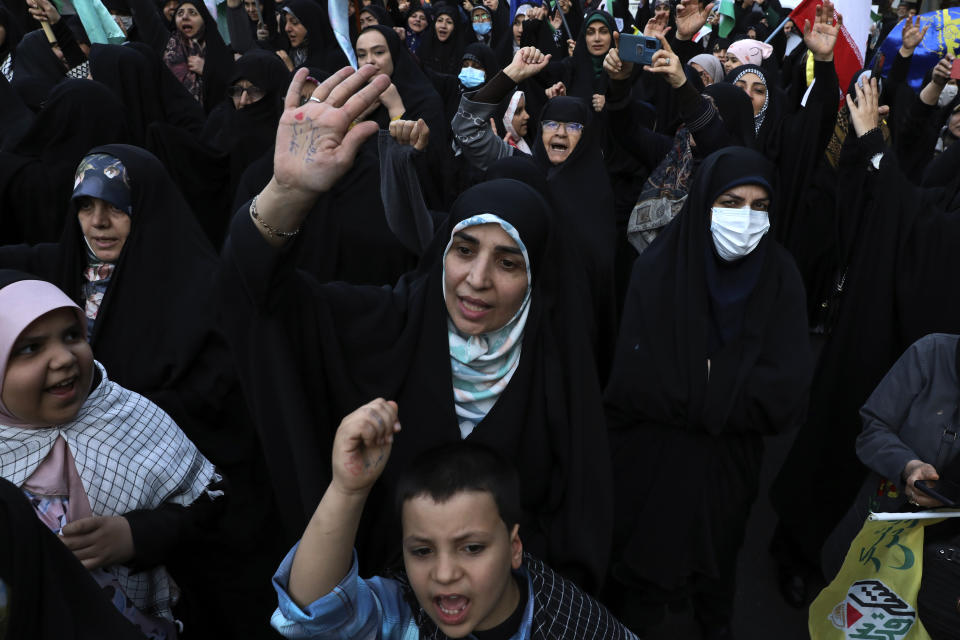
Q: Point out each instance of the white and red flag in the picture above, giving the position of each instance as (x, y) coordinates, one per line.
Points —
(848, 54)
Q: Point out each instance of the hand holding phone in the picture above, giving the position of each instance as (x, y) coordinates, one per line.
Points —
(638, 49)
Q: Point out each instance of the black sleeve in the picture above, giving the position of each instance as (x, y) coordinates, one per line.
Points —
(150, 25)
(159, 532)
(495, 90)
(647, 146)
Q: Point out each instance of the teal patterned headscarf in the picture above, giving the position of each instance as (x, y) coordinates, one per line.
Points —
(482, 365)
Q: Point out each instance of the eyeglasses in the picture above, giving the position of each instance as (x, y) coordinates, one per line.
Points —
(569, 127)
(255, 93)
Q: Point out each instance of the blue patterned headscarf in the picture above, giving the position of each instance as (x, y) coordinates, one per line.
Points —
(483, 365)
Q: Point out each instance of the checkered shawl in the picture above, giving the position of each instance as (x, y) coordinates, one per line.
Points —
(561, 610)
(130, 455)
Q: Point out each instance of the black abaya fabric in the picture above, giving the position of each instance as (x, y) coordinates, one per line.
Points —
(179, 107)
(583, 198)
(127, 73)
(51, 596)
(36, 176)
(12, 36)
(443, 57)
(687, 436)
(900, 266)
(312, 353)
(322, 48)
(15, 116)
(36, 59)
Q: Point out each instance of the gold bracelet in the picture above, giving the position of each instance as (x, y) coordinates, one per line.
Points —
(273, 231)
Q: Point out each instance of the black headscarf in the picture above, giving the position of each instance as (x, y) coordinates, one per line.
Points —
(322, 48)
(324, 350)
(36, 176)
(736, 112)
(15, 116)
(13, 34)
(51, 595)
(663, 404)
(35, 59)
(127, 72)
(382, 15)
(585, 75)
(420, 99)
(179, 107)
(443, 57)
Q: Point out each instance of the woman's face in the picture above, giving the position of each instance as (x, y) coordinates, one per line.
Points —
(721, 55)
(104, 226)
(372, 49)
(417, 21)
(244, 93)
(296, 32)
(560, 139)
(367, 19)
(169, 9)
(443, 26)
(521, 117)
(662, 13)
(756, 90)
(788, 28)
(49, 370)
(480, 16)
(188, 21)
(518, 27)
(705, 77)
(598, 38)
(485, 279)
(745, 196)
(250, 6)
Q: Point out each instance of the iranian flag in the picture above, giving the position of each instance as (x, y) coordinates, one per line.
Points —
(727, 18)
(852, 41)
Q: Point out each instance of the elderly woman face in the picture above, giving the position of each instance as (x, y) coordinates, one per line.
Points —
(705, 77)
(372, 49)
(560, 139)
(189, 21)
(485, 279)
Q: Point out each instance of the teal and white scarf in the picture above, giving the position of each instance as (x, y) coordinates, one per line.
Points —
(482, 365)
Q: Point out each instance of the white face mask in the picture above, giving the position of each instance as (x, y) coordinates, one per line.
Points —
(947, 95)
(737, 232)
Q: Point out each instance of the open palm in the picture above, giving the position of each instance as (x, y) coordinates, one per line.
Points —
(315, 144)
(822, 36)
(691, 18)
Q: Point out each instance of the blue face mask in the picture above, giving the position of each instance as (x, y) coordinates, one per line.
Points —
(482, 28)
(471, 77)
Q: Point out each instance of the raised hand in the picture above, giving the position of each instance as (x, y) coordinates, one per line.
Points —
(666, 63)
(527, 62)
(656, 27)
(822, 36)
(864, 107)
(414, 133)
(362, 446)
(912, 35)
(615, 67)
(315, 144)
(556, 90)
(691, 18)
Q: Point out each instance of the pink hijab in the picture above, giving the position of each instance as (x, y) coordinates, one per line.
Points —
(21, 303)
(750, 51)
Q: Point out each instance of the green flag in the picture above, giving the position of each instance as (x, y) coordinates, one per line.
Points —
(727, 18)
(100, 26)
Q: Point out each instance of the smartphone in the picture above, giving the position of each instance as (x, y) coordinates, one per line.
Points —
(955, 69)
(638, 49)
(946, 492)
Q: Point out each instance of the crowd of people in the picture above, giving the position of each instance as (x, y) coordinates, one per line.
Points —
(588, 284)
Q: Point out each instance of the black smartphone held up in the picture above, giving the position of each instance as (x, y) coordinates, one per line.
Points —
(946, 492)
(638, 49)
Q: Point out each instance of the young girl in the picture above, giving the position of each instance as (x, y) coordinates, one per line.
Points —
(103, 467)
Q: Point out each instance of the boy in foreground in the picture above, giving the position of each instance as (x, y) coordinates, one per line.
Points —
(466, 573)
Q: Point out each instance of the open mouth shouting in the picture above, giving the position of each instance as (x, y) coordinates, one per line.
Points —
(65, 389)
(452, 609)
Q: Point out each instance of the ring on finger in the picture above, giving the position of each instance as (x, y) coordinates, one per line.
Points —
(315, 99)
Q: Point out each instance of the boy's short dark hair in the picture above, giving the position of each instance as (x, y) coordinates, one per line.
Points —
(451, 468)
